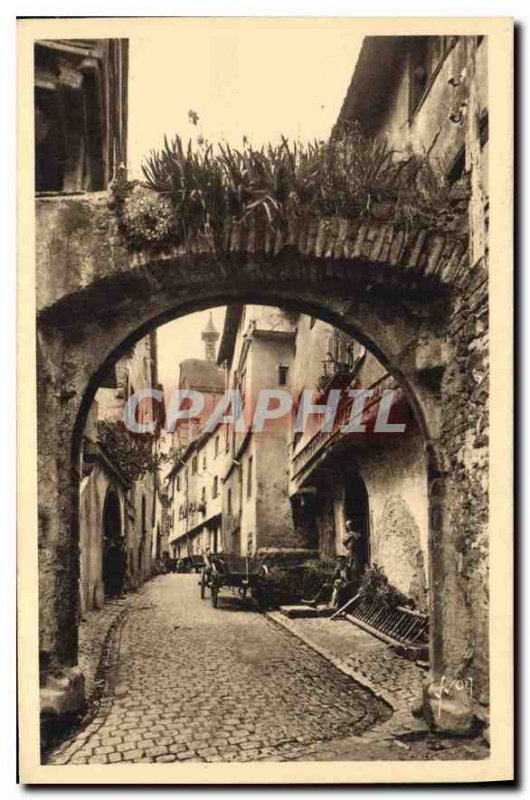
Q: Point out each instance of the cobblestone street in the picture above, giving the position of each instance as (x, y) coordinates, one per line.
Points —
(183, 682)
(188, 682)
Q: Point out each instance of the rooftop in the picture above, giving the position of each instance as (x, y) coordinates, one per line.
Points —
(202, 375)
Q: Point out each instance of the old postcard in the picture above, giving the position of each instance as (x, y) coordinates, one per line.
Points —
(265, 381)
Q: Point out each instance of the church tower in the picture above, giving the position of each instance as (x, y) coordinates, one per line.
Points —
(210, 336)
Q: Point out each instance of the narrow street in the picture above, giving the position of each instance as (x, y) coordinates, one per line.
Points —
(187, 682)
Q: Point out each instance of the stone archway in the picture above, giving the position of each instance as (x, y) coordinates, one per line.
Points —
(392, 291)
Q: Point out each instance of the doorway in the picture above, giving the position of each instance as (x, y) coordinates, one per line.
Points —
(356, 510)
(113, 547)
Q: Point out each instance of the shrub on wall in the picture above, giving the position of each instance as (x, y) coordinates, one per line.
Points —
(376, 587)
(132, 453)
(191, 191)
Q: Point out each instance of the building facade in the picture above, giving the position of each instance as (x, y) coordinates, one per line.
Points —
(80, 113)
(195, 498)
(194, 478)
(277, 491)
(378, 480)
(257, 352)
(80, 88)
(201, 375)
(429, 94)
(120, 512)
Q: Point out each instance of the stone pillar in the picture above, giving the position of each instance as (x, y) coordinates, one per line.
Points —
(458, 692)
(447, 699)
(458, 492)
(62, 690)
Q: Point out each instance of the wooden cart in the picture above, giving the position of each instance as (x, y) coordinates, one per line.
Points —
(240, 573)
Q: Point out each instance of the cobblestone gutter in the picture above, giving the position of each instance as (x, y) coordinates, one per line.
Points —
(97, 635)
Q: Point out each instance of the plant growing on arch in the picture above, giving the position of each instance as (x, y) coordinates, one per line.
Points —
(191, 190)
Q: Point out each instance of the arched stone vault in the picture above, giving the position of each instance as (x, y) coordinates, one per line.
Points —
(392, 290)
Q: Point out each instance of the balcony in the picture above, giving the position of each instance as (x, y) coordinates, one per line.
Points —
(324, 439)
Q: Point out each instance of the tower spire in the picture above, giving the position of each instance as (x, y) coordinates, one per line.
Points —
(210, 335)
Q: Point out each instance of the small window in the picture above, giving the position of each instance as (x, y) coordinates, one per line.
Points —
(204, 461)
(215, 489)
(178, 483)
(216, 447)
(283, 372)
(426, 56)
(229, 502)
(249, 478)
(194, 465)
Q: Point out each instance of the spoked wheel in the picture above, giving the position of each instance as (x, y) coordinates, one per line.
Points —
(258, 588)
(215, 594)
(204, 584)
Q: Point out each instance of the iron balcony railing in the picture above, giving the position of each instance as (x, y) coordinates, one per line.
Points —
(324, 439)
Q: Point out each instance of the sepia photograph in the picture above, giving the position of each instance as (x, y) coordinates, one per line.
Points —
(266, 488)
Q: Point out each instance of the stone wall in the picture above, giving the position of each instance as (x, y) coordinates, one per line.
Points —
(139, 536)
(465, 430)
(326, 522)
(395, 475)
(92, 499)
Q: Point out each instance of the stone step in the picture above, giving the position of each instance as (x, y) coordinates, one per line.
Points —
(300, 610)
(297, 611)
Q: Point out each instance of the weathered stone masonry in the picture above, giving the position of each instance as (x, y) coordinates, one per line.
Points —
(464, 437)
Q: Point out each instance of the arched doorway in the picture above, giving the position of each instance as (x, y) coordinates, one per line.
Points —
(113, 566)
(357, 511)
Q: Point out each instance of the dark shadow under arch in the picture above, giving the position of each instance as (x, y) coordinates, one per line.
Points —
(113, 565)
(356, 510)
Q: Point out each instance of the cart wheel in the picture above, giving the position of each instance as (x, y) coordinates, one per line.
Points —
(215, 594)
(203, 585)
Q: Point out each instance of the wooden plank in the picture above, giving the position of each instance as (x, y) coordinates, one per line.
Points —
(312, 232)
(357, 249)
(396, 248)
(414, 257)
(387, 242)
(374, 631)
(436, 245)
